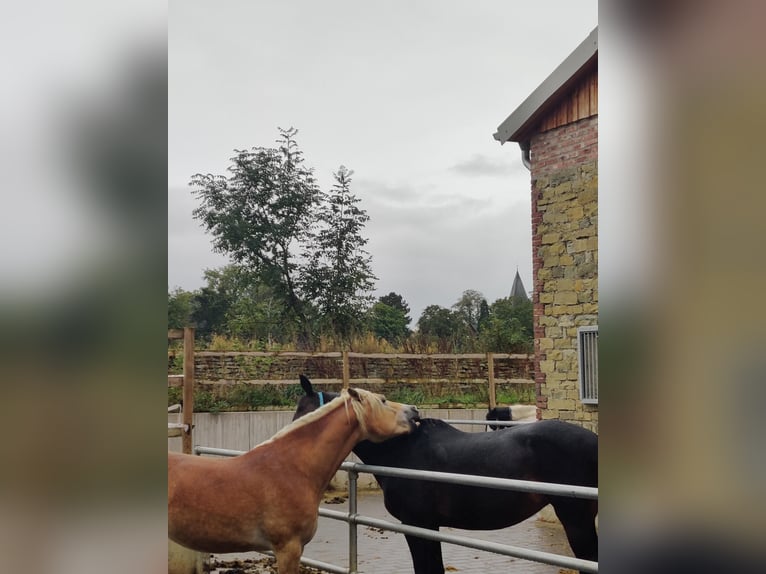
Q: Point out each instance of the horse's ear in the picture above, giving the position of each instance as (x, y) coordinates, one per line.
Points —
(306, 385)
(354, 394)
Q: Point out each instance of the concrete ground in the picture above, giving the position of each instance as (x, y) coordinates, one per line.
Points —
(383, 552)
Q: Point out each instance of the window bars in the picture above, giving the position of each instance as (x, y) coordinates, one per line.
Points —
(587, 350)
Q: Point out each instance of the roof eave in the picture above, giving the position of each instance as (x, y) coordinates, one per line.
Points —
(517, 126)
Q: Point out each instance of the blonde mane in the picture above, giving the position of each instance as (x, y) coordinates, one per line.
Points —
(376, 405)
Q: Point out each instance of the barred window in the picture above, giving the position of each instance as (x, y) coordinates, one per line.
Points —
(587, 343)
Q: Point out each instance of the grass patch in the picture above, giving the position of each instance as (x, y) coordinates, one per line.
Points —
(408, 395)
(239, 397)
(248, 397)
(175, 394)
(513, 397)
(208, 402)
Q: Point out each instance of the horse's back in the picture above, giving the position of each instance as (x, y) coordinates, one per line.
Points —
(548, 451)
(561, 452)
(545, 451)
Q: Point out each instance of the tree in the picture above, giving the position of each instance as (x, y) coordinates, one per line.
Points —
(441, 326)
(483, 314)
(387, 322)
(180, 307)
(249, 308)
(438, 322)
(396, 301)
(509, 327)
(389, 318)
(339, 276)
(304, 245)
(212, 303)
(258, 315)
(468, 308)
(261, 215)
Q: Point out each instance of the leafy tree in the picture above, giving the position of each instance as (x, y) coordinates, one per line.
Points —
(387, 322)
(253, 311)
(209, 314)
(339, 276)
(468, 308)
(396, 301)
(213, 302)
(305, 247)
(483, 314)
(509, 327)
(180, 307)
(237, 303)
(438, 322)
(261, 215)
(258, 315)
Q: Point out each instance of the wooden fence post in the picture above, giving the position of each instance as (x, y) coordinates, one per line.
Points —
(491, 376)
(346, 370)
(188, 390)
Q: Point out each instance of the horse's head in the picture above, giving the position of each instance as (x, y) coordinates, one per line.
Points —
(312, 400)
(379, 418)
(498, 414)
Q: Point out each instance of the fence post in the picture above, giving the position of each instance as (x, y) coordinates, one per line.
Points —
(352, 510)
(346, 370)
(491, 376)
(188, 390)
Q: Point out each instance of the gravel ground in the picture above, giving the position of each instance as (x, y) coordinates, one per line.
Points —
(251, 566)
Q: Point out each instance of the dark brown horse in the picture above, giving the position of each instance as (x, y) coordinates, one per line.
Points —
(268, 498)
(545, 451)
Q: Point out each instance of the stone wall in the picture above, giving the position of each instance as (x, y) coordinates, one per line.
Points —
(260, 366)
(446, 377)
(565, 263)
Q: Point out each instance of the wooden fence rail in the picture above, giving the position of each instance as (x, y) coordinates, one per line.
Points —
(345, 368)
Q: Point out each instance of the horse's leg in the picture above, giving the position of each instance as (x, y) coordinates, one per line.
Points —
(426, 555)
(579, 520)
(289, 557)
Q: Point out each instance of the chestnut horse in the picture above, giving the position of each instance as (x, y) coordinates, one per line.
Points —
(268, 498)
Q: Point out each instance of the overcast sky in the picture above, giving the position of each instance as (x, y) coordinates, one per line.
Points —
(407, 94)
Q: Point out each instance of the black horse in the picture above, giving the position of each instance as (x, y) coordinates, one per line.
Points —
(499, 414)
(546, 451)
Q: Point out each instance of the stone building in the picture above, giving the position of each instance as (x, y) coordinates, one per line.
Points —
(556, 128)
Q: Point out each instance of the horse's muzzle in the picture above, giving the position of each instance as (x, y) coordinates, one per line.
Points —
(413, 416)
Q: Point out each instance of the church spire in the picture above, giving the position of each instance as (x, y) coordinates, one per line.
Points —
(517, 289)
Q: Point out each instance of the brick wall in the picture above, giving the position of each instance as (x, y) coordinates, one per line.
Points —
(565, 147)
(565, 263)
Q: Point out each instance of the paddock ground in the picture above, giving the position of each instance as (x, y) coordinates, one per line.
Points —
(383, 552)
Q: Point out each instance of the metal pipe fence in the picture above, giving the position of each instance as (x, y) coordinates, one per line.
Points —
(353, 518)
(486, 423)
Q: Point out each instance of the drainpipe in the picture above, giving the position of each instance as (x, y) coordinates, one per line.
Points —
(525, 155)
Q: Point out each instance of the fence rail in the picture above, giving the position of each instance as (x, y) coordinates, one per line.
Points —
(344, 367)
(353, 518)
(355, 355)
(487, 422)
